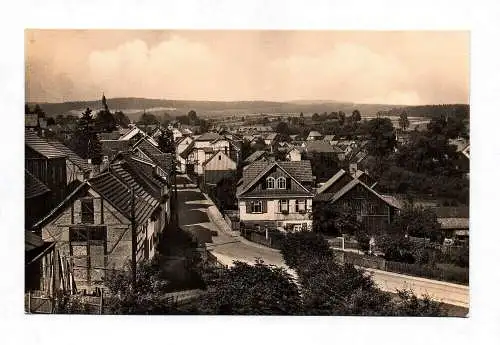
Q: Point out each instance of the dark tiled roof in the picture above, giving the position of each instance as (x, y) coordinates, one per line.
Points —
(300, 170)
(184, 154)
(115, 135)
(318, 146)
(147, 147)
(210, 136)
(331, 181)
(119, 195)
(165, 161)
(32, 186)
(274, 193)
(41, 146)
(112, 147)
(254, 156)
(72, 156)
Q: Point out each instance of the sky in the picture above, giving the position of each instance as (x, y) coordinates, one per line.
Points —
(383, 67)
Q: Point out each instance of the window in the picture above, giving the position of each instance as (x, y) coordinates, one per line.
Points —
(270, 183)
(284, 206)
(220, 157)
(300, 205)
(256, 206)
(281, 183)
(87, 210)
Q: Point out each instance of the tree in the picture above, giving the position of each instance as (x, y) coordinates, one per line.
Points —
(256, 289)
(341, 118)
(192, 117)
(417, 221)
(265, 121)
(282, 128)
(246, 149)
(225, 192)
(356, 115)
(121, 119)
(166, 141)
(332, 220)
(38, 110)
(403, 121)
(259, 144)
(148, 119)
(382, 139)
(315, 117)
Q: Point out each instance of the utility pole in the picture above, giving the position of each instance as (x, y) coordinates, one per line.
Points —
(134, 240)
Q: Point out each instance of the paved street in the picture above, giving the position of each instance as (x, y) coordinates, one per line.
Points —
(193, 217)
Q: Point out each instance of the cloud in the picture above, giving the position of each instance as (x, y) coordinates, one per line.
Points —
(411, 69)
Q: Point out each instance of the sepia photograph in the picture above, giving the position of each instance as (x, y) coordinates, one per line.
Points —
(246, 172)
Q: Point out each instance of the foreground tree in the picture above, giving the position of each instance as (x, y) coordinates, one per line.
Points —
(256, 289)
(331, 220)
(382, 140)
(84, 140)
(356, 115)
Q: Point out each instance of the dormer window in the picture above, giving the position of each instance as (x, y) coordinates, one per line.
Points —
(281, 183)
(270, 183)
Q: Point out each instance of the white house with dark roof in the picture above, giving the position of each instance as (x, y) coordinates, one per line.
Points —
(201, 149)
(277, 195)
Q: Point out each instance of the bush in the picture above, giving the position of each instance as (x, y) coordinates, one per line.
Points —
(299, 245)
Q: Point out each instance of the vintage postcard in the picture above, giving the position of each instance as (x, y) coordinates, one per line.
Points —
(246, 172)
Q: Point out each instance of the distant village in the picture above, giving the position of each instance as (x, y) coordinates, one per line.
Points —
(101, 192)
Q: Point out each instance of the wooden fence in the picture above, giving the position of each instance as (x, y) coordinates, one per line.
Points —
(38, 302)
(456, 275)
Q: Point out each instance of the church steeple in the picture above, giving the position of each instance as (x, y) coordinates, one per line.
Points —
(104, 102)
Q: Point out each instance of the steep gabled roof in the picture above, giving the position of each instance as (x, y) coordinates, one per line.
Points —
(215, 154)
(41, 146)
(147, 147)
(255, 156)
(184, 154)
(72, 156)
(300, 171)
(112, 147)
(331, 181)
(33, 187)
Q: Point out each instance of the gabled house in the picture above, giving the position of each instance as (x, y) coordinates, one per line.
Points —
(77, 168)
(94, 226)
(181, 144)
(47, 164)
(201, 149)
(294, 154)
(217, 167)
(374, 211)
(277, 195)
(270, 138)
(36, 199)
(314, 135)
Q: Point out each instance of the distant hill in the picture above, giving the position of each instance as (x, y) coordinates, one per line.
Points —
(134, 107)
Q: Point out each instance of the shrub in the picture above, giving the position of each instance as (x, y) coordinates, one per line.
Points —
(304, 243)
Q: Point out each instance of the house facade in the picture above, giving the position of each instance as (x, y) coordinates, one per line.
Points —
(277, 195)
(217, 167)
(95, 225)
(201, 149)
(350, 194)
(181, 143)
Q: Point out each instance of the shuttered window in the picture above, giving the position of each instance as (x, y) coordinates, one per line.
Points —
(300, 205)
(283, 205)
(256, 207)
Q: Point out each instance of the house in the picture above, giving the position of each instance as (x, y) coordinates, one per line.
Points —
(115, 135)
(277, 195)
(47, 164)
(294, 154)
(217, 167)
(350, 194)
(39, 258)
(77, 168)
(110, 148)
(314, 135)
(31, 121)
(36, 199)
(106, 218)
(454, 221)
(270, 138)
(330, 139)
(181, 143)
(201, 149)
